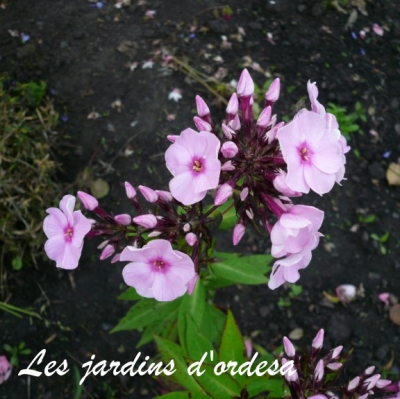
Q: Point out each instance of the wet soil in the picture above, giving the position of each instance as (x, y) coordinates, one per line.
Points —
(86, 52)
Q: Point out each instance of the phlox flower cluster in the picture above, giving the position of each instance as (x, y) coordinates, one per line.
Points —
(317, 379)
(257, 164)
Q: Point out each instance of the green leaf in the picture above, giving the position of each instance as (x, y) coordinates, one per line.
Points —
(194, 306)
(232, 344)
(229, 217)
(145, 312)
(130, 295)
(218, 387)
(197, 343)
(245, 270)
(183, 395)
(7, 348)
(77, 386)
(157, 328)
(171, 351)
(213, 324)
(261, 384)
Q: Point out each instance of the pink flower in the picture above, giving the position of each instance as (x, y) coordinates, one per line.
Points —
(157, 271)
(295, 235)
(65, 230)
(193, 160)
(313, 153)
(287, 269)
(5, 369)
(296, 230)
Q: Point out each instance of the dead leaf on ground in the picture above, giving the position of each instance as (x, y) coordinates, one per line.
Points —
(393, 174)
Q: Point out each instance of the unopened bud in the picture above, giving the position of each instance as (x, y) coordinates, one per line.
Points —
(227, 166)
(88, 201)
(191, 239)
(245, 86)
(186, 227)
(130, 191)
(353, 384)
(264, 118)
(369, 370)
(244, 193)
(165, 195)
(191, 285)
(115, 258)
(238, 233)
(149, 194)
(201, 125)
(103, 244)
(107, 251)
(289, 348)
(319, 372)
(148, 221)
(383, 383)
(235, 123)
(318, 341)
(334, 366)
(228, 132)
(202, 108)
(233, 105)
(223, 194)
(123, 219)
(229, 149)
(250, 214)
(154, 234)
(336, 352)
(272, 94)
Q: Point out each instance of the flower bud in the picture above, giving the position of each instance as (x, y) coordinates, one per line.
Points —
(165, 195)
(191, 239)
(229, 149)
(107, 251)
(371, 382)
(115, 258)
(248, 345)
(383, 383)
(318, 341)
(202, 108)
(272, 94)
(235, 123)
(264, 118)
(238, 233)
(353, 384)
(228, 132)
(148, 221)
(334, 366)
(123, 219)
(227, 166)
(149, 194)
(250, 214)
(5, 369)
(336, 352)
(103, 244)
(223, 194)
(244, 193)
(233, 105)
(154, 234)
(201, 125)
(88, 201)
(245, 86)
(319, 372)
(130, 191)
(369, 370)
(289, 348)
(290, 377)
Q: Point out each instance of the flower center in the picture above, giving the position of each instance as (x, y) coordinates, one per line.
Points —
(159, 263)
(68, 233)
(304, 154)
(197, 166)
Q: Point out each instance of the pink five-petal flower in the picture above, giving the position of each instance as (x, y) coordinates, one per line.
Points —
(5, 369)
(193, 160)
(313, 153)
(65, 230)
(157, 270)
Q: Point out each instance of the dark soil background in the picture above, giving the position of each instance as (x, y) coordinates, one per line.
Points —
(75, 46)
